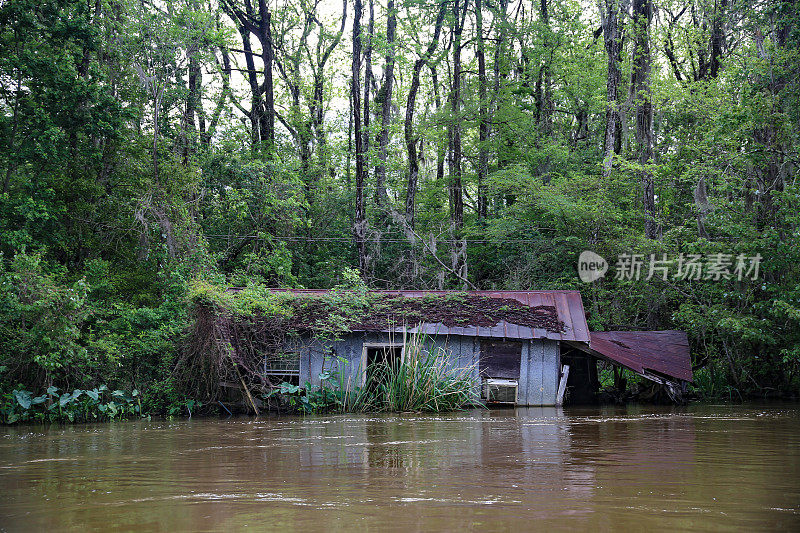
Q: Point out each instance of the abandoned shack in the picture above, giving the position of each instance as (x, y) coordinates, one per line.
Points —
(524, 347)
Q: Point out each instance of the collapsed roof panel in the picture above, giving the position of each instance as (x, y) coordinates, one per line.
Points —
(663, 352)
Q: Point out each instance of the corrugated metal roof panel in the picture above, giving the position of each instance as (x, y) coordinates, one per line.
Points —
(568, 305)
(665, 352)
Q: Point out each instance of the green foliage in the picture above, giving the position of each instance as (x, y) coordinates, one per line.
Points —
(253, 299)
(77, 406)
(40, 318)
(135, 186)
(345, 303)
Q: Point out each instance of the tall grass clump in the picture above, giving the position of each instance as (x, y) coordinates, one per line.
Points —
(424, 381)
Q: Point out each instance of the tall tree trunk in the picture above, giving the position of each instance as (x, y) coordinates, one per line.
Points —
(267, 125)
(456, 193)
(773, 173)
(458, 250)
(368, 81)
(192, 103)
(642, 65)
(410, 138)
(384, 98)
(437, 100)
(262, 114)
(225, 71)
(501, 69)
(256, 109)
(359, 222)
(317, 110)
(611, 12)
(717, 37)
(545, 92)
(483, 113)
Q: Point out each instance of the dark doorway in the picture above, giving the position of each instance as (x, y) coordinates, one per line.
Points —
(582, 383)
(379, 360)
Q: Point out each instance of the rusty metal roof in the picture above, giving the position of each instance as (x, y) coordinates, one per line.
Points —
(568, 306)
(664, 352)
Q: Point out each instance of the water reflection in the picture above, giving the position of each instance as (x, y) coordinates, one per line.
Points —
(628, 468)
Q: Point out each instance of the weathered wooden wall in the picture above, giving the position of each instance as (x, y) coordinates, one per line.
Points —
(539, 371)
(539, 365)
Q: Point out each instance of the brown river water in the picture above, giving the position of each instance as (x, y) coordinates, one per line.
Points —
(699, 468)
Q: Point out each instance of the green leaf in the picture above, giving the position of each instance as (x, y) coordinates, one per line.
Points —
(122, 395)
(23, 398)
(64, 399)
(52, 389)
(93, 394)
(288, 388)
(39, 399)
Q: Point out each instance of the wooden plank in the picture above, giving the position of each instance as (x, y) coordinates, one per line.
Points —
(562, 386)
(470, 331)
(525, 332)
(534, 392)
(512, 330)
(550, 366)
(524, 374)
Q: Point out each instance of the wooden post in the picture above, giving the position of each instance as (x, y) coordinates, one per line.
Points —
(562, 386)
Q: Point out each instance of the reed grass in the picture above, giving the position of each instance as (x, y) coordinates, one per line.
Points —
(423, 381)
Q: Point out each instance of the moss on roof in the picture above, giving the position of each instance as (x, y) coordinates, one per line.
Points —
(383, 312)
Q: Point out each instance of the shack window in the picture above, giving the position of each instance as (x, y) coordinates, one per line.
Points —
(283, 367)
(500, 359)
(377, 357)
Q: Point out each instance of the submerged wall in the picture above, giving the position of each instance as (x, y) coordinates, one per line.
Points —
(539, 360)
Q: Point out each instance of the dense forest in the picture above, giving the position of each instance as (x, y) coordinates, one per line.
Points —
(147, 146)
